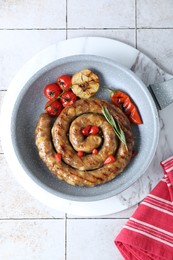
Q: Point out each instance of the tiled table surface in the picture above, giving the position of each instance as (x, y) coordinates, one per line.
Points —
(28, 229)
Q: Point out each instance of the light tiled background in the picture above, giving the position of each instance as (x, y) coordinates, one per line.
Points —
(28, 229)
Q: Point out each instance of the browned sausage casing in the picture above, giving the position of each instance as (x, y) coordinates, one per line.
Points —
(68, 139)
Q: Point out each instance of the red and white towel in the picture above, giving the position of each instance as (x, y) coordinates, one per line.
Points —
(148, 234)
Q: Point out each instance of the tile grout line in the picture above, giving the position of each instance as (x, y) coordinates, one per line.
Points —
(65, 236)
(98, 218)
(66, 33)
(89, 28)
(65, 218)
(31, 219)
(64, 28)
(136, 26)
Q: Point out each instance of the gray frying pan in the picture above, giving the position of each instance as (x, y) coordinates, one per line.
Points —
(29, 103)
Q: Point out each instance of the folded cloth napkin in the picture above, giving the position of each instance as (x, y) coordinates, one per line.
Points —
(148, 234)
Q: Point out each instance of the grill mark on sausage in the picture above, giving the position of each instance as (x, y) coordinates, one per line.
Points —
(68, 173)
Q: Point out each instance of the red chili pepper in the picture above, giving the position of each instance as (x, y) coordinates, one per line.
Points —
(94, 130)
(94, 151)
(109, 159)
(130, 109)
(86, 130)
(135, 117)
(58, 157)
(118, 97)
(80, 153)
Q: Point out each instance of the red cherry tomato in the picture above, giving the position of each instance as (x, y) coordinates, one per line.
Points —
(80, 153)
(55, 108)
(52, 91)
(86, 130)
(58, 157)
(94, 151)
(94, 130)
(109, 159)
(64, 82)
(68, 98)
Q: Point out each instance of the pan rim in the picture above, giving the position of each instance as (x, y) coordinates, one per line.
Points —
(7, 145)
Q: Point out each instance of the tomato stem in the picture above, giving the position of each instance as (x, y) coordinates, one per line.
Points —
(54, 100)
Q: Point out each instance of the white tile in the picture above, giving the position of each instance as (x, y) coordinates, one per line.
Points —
(2, 94)
(15, 202)
(18, 46)
(155, 13)
(32, 239)
(93, 239)
(33, 14)
(124, 35)
(157, 44)
(101, 14)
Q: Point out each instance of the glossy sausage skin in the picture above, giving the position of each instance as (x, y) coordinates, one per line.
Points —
(88, 170)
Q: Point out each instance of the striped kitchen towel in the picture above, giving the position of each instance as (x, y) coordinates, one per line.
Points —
(148, 234)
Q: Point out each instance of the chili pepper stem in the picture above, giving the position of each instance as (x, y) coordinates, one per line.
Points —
(112, 91)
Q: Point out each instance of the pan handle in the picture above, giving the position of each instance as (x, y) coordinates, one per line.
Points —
(162, 93)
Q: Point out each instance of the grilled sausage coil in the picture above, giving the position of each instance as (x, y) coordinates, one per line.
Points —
(65, 137)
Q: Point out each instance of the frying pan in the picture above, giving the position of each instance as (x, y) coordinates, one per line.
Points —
(27, 103)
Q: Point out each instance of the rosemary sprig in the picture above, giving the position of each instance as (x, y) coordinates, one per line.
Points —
(116, 126)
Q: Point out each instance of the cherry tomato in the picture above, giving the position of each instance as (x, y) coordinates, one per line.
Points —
(86, 130)
(94, 151)
(55, 108)
(58, 157)
(109, 159)
(80, 153)
(64, 82)
(68, 98)
(52, 91)
(94, 130)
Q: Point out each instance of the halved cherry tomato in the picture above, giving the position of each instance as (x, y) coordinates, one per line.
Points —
(55, 108)
(80, 153)
(58, 157)
(85, 131)
(64, 82)
(94, 151)
(94, 130)
(109, 159)
(52, 91)
(130, 109)
(68, 98)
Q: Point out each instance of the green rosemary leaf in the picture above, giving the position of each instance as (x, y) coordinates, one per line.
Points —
(116, 126)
